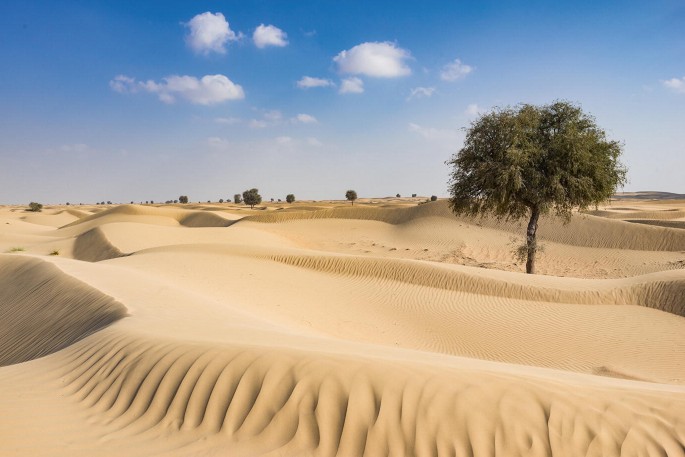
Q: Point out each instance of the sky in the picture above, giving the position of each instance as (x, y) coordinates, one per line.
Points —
(148, 100)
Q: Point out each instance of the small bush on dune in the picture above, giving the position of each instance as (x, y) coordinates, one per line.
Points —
(290, 198)
(35, 207)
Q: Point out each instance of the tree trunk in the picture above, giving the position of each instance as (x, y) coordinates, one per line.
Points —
(531, 243)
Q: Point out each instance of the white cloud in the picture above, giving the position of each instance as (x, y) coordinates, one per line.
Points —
(208, 90)
(352, 85)
(123, 84)
(421, 92)
(269, 35)
(307, 81)
(675, 84)
(283, 140)
(216, 142)
(273, 116)
(455, 70)
(209, 33)
(228, 120)
(311, 141)
(433, 134)
(473, 110)
(305, 119)
(380, 60)
(257, 124)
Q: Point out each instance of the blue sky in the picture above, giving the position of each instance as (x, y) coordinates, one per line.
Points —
(133, 100)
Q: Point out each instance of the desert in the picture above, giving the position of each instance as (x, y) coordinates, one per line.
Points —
(390, 327)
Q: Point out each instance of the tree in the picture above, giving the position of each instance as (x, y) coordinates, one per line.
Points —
(221, 200)
(434, 198)
(251, 197)
(183, 199)
(351, 195)
(532, 160)
(237, 199)
(35, 207)
(290, 198)
(398, 196)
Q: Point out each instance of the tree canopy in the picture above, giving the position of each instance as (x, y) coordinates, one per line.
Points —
(251, 197)
(351, 195)
(531, 160)
(183, 199)
(290, 198)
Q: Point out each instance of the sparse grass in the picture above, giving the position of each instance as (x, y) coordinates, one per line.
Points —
(16, 249)
(55, 252)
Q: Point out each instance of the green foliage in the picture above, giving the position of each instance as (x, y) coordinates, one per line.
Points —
(533, 160)
(221, 200)
(290, 198)
(351, 195)
(183, 199)
(434, 198)
(35, 207)
(251, 197)
(237, 199)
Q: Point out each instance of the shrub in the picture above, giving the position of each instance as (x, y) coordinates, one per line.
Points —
(35, 207)
(434, 198)
(55, 252)
(237, 199)
(221, 200)
(183, 199)
(290, 198)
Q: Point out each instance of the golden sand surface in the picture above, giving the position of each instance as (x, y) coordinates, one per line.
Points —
(387, 328)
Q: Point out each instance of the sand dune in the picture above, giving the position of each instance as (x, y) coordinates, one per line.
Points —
(322, 329)
(42, 310)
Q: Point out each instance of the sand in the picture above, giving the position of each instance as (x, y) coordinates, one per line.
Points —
(321, 329)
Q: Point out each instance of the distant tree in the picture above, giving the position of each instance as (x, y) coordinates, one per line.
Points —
(183, 199)
(434, 198)
(398, 196)
(351, 195)
(209, 201)
(131, 201)
(413, 195)
(152, 202)
(109, 202)
(533, 160)
(251, 197)
(67, 203)
(175, 201)
(290, 198)
(237, 199)
(272, 200)
(221, 200)
(35, 207)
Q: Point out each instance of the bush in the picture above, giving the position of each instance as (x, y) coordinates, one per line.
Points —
(290, 198)
(35, 207)
(398, 196)
(434, 198)
(413, 195)
(237, 199)
(221, 200)
(183, 199)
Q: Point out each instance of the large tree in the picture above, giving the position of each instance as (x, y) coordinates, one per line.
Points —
(251, 197)
(351, 195)
(532, 160)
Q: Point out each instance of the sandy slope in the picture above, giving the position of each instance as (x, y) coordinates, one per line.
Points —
(389, 328)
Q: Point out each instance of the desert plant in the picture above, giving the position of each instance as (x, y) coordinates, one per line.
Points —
(534, 160)
(351, 195)
(183, 199)
(17, 249)
(413, 195)
(55, 252)
(221, 200)
(251, 197)
(290, 198)
(434, 198)
(35, 207)
(398, 196)
(237, 199)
